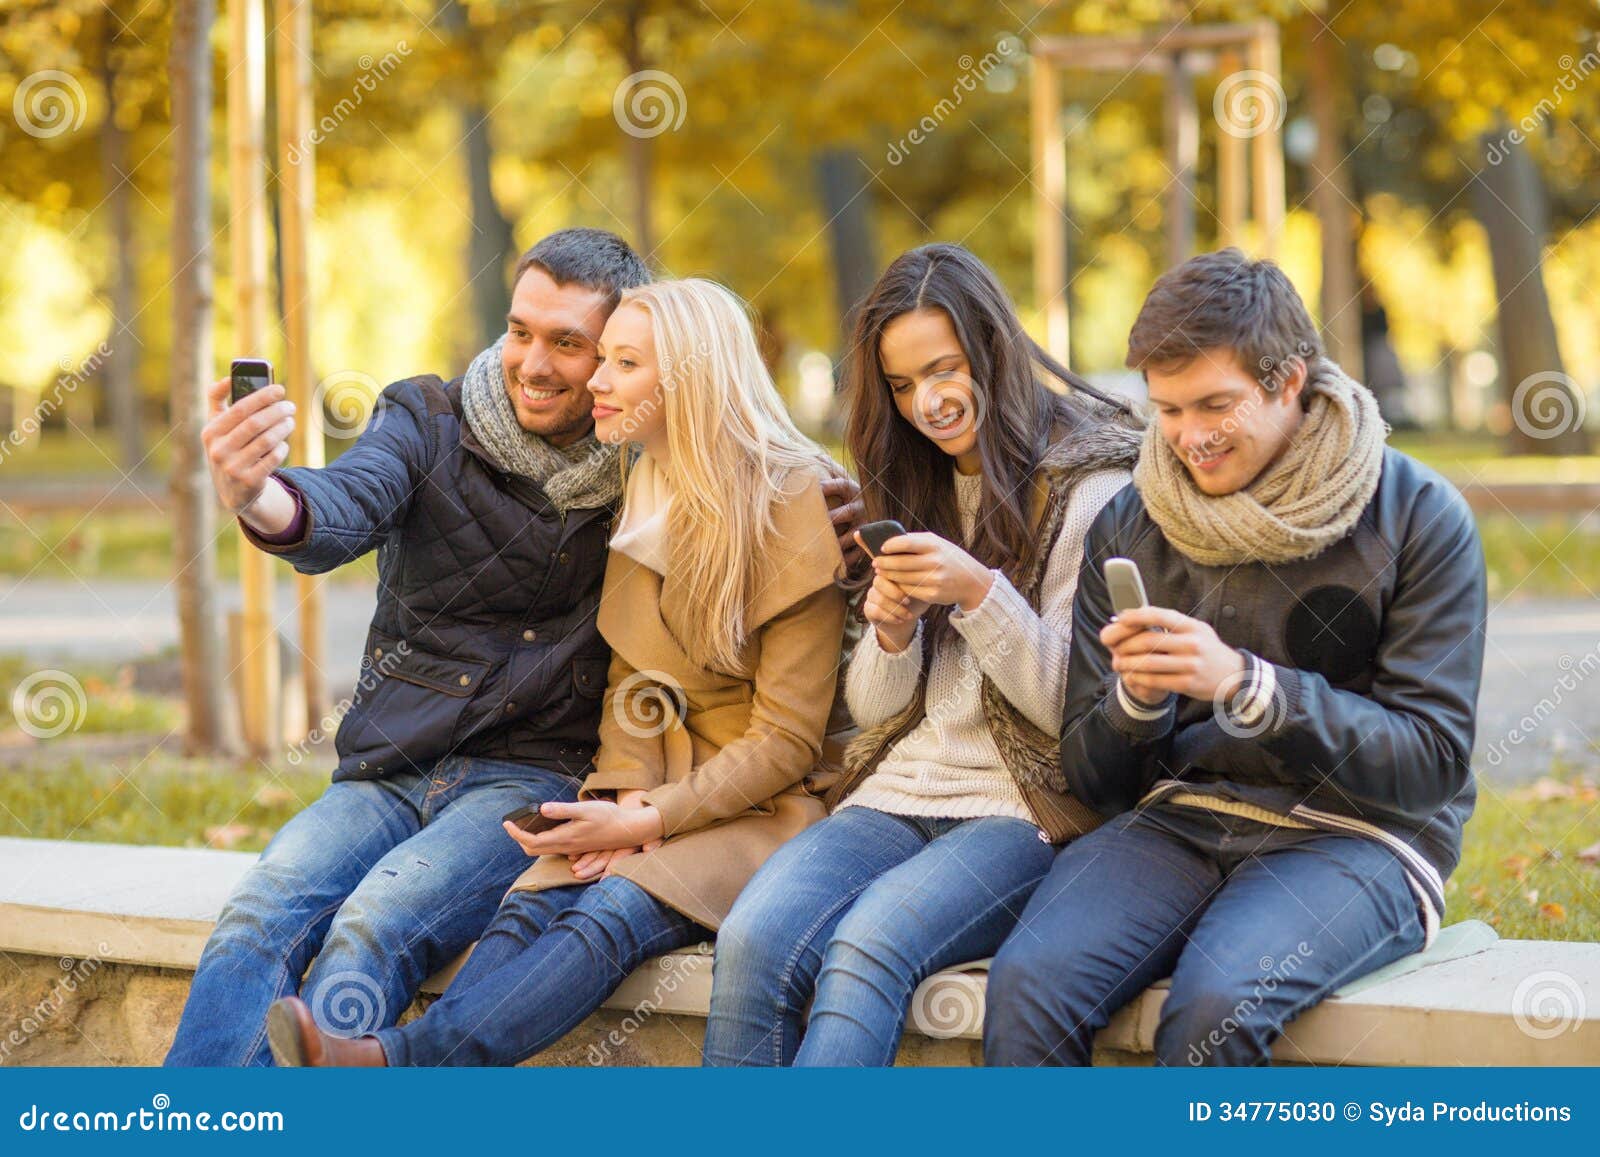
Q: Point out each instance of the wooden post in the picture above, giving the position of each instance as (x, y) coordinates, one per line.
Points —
(296, 203)
(1266, 148)
(1050, 209)
(1332, 198)
(257, 675)
(1232, 173)
(1182, 131)
(212, 727)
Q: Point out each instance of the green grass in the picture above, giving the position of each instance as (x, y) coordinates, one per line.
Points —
(1521, 869)
(118, 544)
(89, 701)
(1554, 556)
(1477, 457)
(160, 800)
(67, 454)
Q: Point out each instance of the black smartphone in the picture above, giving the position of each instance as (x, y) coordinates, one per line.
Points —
(249, 375)
(531, 820)
(875, 534)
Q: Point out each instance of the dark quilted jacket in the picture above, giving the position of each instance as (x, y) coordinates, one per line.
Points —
(484, 639)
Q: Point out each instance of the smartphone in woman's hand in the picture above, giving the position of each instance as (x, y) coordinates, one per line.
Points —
(874, 534)
(531, 820)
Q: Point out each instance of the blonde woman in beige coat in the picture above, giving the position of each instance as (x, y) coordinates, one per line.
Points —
(724, 618)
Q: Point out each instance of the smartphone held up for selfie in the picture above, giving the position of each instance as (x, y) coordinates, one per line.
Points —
(248, 376)
(875, 534)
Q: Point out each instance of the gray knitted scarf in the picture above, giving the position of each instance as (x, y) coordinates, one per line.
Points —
(1302, 504)
(582, 476)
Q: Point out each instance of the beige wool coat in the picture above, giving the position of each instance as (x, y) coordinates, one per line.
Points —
(722, 755)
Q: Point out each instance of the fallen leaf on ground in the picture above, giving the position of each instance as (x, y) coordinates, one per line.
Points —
(227, 835)
(1516, 865)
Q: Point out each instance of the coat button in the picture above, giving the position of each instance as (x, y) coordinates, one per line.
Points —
(529, 636)
(564, 558)
(510, 708)
(1227, 612)
(377, 652)
(466, 680)
(363, 765)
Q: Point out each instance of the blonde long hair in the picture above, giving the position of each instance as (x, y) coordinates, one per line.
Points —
(735, 453)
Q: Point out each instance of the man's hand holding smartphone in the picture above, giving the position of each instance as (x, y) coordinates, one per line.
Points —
(247, 439)
(1156, 651)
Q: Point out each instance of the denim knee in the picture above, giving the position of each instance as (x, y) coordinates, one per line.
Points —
(863, 947)
(1030, 1011)
(260, 914)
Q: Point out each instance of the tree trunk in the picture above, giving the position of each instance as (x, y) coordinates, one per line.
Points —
(1547, 408)
(493, 241)
(211, 727)
(639, 145)
(120, 373)
(1333, 200)
(842, 183)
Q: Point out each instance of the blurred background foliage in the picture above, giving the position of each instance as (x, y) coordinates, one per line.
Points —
(459, 131)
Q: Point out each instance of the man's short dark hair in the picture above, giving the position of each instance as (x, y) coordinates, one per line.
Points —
(592, 258)
(1224, 300)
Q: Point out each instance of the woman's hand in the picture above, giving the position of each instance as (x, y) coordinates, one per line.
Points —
(893, 612)
(934, 570)
(594, 825)
(595, 865)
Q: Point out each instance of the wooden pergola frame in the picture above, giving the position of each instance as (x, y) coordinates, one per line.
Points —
(259, 675)
(1180, 55)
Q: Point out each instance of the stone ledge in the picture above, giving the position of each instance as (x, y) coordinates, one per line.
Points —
(153, 908)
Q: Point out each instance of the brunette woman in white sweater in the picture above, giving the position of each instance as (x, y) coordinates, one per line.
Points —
(996, 459)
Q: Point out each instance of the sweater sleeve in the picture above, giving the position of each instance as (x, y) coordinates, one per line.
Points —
(1023, 651)
(880, 684)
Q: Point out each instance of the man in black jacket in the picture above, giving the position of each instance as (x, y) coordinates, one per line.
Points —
(1281, 738)
(483, 672)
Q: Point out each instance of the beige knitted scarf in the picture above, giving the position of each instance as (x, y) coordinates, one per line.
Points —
(1302, 504)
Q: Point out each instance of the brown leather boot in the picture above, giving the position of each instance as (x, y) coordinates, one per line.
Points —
(297, 1042)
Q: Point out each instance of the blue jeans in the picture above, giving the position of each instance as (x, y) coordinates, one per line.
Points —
(1254, 924)
(546, 961)
(849, 917)
(382, 881)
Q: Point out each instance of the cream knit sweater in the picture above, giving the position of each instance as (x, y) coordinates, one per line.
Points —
(949, 764)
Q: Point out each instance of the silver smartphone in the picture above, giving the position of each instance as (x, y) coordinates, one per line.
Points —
(1125, 585)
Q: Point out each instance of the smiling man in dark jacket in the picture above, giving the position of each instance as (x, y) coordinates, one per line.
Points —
(489, 503)
(1283, 736)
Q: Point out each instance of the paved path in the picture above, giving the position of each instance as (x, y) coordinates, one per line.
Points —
(1540, 700)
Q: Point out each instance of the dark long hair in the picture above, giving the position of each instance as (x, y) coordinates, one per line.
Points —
(904, 475)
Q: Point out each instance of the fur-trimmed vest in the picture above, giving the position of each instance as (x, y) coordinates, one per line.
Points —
(1031, 755)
